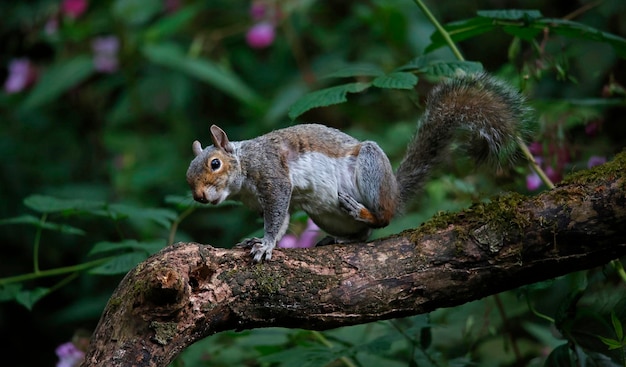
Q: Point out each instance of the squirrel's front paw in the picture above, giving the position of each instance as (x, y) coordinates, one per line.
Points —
(249, 242)
(259, 248)
(264, 248)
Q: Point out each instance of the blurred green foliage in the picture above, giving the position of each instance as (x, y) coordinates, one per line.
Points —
(96, 137)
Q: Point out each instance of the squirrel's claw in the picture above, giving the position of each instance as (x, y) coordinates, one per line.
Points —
(249, 242)
(259, 248)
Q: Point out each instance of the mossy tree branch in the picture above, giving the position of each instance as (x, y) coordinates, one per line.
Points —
(189, 291)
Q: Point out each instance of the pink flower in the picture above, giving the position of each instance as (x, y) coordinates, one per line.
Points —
(73, 8)
(261, 35)
(593, 128)
(69, 355)
(171, 6)
(288, 241)
(533, 181)
(22, 74)
(258, 10)
(306, 239)
(52, 26)
(552, 174)
(535, 148)
(595, 161)
(105, 51)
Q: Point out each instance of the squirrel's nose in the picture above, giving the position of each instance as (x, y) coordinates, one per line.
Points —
(200, 197)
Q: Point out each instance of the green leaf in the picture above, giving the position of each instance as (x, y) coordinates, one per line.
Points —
(171, 56)
(396, 80)
(58, 79)
(487, 21)
(511, 14)
(136, 12)
(560, 357)
(460, 31)
(525, 24)
(150, 247)
(537, 286)
(22, 219)
(304, 356)
(63, 228)
(185, 202)
(179, 200)
(49, 204)
(617, 326)
(120, 264)
(524, 33)
(34, 221)
(164, 217)
(325, 97)
(379, 345)
(171, 24)
(453, 68)
(28, 298)
(356, 70)
(611, 343)
(563, 319)
(573, 29)
(8, 292)
(417, 63)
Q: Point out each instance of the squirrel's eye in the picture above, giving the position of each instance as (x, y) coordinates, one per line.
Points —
(215, 164)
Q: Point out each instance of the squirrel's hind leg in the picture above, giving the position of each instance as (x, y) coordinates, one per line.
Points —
(376, 185)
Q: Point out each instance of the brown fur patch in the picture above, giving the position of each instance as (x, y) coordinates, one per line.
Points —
(300, 139)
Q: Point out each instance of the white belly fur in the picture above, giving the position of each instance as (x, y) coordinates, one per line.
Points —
(316, 180)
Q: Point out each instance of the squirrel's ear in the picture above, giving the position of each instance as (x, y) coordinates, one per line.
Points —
(197, 148)
(220, 140)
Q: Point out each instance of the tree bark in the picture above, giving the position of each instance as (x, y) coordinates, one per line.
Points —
(189, 291)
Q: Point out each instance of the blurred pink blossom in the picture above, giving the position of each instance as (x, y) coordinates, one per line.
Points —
(52, 26)
(258, 10)
(73, 8)
(22, 74)
(593, 128)
(105, 51)
(260, 35)
(306, 239)
(171, 6)
(552, 174)
(288, 241)
(69, 355)
(535, 148)
(595, 161)
(533, 181)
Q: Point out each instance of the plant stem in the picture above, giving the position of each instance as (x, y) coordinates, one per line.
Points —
(533, 164)
(53, 272)
(37, 243)
(64, 281)
(416, 344)
(440, 29)
(507, 327)
(535, 312)
(176, 222)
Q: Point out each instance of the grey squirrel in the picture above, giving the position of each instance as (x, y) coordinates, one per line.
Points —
(347, 187)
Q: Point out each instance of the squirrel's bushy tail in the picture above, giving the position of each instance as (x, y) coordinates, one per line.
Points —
(484, 115)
